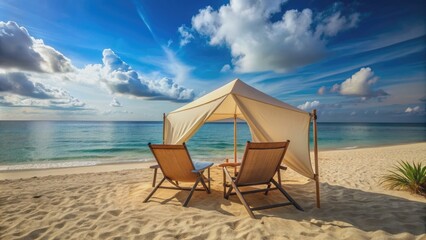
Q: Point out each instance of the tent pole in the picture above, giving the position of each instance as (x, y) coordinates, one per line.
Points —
(314, 113)
(164, 126)
(235, 137)
(235, 141)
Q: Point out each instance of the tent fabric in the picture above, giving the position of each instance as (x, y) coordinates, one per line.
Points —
(269, 120)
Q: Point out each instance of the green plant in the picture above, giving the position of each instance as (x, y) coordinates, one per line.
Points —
(406, 176)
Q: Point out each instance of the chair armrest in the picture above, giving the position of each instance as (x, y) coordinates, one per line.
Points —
(201, 166)
(229, 164)
(154, 166)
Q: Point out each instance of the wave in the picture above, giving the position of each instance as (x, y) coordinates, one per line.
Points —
(109, 150)
(50, 165)
(348, 148)
(29, 166)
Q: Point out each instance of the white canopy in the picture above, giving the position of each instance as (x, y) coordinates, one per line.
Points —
(269, 120)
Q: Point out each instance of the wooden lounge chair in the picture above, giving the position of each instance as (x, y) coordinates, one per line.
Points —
(177, 166)
(261, 161)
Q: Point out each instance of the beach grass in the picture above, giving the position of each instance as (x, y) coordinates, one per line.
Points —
(407, 176)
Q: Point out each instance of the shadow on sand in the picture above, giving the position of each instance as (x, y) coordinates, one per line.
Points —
(340, 206)
(346, 207)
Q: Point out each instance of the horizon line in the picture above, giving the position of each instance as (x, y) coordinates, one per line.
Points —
(160, 121)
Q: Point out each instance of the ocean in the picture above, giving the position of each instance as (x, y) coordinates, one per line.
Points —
(53, 144)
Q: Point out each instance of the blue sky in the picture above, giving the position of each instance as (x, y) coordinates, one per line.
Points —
(133, 60)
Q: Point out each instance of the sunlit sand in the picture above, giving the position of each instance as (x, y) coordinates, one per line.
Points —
(106, 205)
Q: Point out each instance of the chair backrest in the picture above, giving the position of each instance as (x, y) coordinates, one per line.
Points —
(260, 162)
(174, 161)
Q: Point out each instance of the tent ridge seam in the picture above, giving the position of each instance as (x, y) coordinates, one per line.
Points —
(198, 105)
(298, 111)
(301, 111)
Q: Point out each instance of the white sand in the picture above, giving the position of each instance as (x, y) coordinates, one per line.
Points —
(108, 205)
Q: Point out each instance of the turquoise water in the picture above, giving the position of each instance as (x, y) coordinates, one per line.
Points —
(46, 144)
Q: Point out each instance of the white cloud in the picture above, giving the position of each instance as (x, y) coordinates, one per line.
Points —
(69, 102)
(259, 44)
(20, 53)
(360, 84)
(412, 110)
(115, 103)
(322, 90)
(335, 23)
(29, 68)
(169, 90)
(16, 90)
(17, 83)
(335, 88)
(353, 113)
(119, 78)
(19, 50)
(225, 68)
(185, 35)
(90, 74)
(112, 112)
(60, 104)
(309, 105)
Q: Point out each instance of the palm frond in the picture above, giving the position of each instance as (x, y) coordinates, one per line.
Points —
(406, 176)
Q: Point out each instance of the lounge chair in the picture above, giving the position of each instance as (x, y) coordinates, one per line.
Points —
(177, 166)
(261, 161)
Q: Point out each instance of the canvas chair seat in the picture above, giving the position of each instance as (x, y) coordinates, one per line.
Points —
(201, 165)
(177, 166)
(261, 161)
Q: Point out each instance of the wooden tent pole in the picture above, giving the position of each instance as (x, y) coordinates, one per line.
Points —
(164, 126)
(235, 142)
(235, 137)
(314, 113)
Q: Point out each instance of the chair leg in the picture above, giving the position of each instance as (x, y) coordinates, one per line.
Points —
(240, 196)
(296, 205)
(208, 175)
(224, 183)
(153, 190)
(228, 193)
(204, 183)
(243, 201)
(279, 176)
(185, 204)
(155, 177)
(267, 189)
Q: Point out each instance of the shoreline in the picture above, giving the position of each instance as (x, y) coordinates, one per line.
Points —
(366, 147)
(100, 168)
(119, 166)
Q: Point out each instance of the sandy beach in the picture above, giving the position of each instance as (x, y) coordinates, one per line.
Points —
(105, 202)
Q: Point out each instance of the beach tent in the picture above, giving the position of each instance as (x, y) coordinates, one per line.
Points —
(269, 120)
